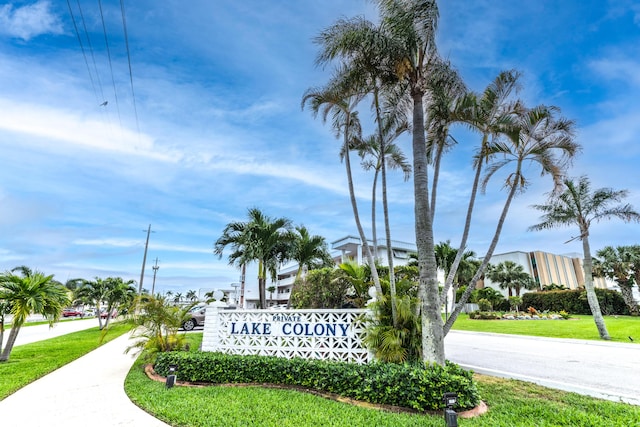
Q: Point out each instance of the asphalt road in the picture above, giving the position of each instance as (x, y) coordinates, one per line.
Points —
(595, 368)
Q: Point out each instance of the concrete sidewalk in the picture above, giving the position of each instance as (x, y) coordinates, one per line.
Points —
(86, 392)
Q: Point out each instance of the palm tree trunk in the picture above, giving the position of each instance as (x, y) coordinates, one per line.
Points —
(11, 340)
(354, 205)
(627, 295)
(385, 208)
(374, 233)
(494, 242)
(262, 276)
(436, 178)
(428, 292)
(592, 298)
(467, 224)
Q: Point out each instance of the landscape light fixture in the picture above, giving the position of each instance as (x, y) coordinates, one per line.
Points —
(171, 378)
(450, 416)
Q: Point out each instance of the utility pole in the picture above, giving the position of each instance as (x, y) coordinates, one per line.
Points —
(155, 271)
(144, 260)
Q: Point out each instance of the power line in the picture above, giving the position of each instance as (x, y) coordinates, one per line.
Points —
(126, 41)
(106, 41)
(93, 58)
(84, 54)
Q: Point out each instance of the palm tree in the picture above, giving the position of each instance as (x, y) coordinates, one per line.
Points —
(511, 276)
(160, 321)
(357, 276)
(30, 292)
(538, 137)
(309, 251)
(177, 298)
(120, 296)
(340, 102)
(490, 114)
(410, 28)
(192, 296)
(271, 289)
(263, 239)
(94, 292)
(577, 205)
(617, 264)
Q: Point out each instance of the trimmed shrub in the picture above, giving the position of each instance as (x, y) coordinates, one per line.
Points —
(408, 385)
(575, 301)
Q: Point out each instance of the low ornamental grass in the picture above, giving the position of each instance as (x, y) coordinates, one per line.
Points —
(29, 362)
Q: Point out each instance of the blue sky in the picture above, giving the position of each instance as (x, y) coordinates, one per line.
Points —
(217, 127)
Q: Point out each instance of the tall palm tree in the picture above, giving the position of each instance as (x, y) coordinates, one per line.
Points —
(30, 292)
(410, 29)
(511, 276)
(340, 102)
(361, 46)
(578, 205)
(490, 114)
(617, 264)
(263, 239)
(538, 138)
(309, 251)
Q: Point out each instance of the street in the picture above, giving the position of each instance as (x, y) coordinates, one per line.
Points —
(596, 368)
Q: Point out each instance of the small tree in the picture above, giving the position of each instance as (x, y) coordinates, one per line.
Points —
(157, 325)
(271, 289)
(30, 292)
(514, 303)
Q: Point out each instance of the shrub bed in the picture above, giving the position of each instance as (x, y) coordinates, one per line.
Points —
(575, 301)
(411, 386)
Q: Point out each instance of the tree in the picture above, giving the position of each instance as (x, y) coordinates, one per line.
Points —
(536, 137)
(119, 296)
(177, 298)
(109, 294)
(340, 101)
(271, 289)
(359, 278)
(159, 321)
(309, 251)
(578, 205)
(492, 115)
(30, 292)
(192, 296)
(363, 49)
(616, 264)
(263, 239)
(511, 276)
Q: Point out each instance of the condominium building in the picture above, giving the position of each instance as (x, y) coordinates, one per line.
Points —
(547, 268)
(344, 249)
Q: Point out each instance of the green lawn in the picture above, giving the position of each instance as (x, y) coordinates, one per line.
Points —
(511, 403)
(578, 327)
(29, 362)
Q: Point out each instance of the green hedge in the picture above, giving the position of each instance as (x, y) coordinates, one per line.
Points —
(409, 386)
(575, 301)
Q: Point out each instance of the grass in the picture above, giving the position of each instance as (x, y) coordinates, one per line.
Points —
(578, 327)
(29, 362)
(511, 403)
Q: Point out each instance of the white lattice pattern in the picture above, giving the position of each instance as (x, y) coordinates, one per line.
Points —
(314, 334)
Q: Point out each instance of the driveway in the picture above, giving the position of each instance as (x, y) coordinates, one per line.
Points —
(596, 368)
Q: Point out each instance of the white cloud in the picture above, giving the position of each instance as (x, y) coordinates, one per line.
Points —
(29, 21)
